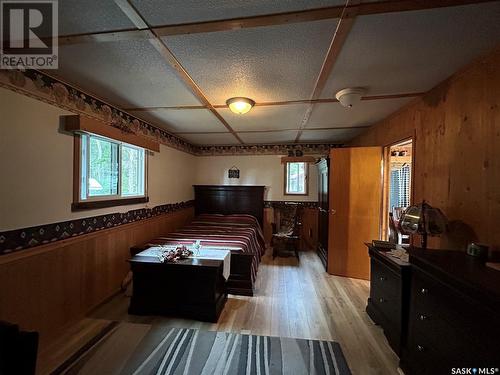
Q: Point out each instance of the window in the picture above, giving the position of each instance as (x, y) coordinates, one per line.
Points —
(296, 178)
(110, 171)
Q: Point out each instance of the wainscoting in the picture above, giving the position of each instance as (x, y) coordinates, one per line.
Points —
(51, 286)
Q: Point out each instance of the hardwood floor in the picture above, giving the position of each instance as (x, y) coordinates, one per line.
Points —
(292, 299)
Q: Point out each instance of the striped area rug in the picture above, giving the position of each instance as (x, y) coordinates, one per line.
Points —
(142, 349)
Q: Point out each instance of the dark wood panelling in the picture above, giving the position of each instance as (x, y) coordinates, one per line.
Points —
(46, 288)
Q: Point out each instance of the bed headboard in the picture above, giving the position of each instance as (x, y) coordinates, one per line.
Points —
(229, 199)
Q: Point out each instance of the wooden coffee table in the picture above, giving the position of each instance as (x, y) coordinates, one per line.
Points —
(190, 288)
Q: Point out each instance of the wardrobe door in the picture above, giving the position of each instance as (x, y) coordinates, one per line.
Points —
(323, 183)
(354, 216)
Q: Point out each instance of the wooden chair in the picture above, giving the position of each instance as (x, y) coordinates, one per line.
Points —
(286, 229)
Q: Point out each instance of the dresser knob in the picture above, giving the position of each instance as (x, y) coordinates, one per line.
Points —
(424, 291)
(381, 300)
(382, 278)
(422, 317)
(420, 348)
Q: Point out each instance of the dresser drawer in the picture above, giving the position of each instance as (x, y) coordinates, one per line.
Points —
(388, 304)
(434, 303)
(431, 360)
(383, 278)
(452, 323)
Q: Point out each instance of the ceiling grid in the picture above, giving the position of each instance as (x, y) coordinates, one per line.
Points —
(174, 64)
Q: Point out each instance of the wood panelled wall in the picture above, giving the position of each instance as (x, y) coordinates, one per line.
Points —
(456, 129)
(51, 286)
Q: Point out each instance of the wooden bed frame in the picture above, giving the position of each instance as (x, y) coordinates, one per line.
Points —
(221, 199)
(233, 199)
(229, 199)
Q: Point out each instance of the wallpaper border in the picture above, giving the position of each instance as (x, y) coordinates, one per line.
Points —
(26, 238)
(41, 86)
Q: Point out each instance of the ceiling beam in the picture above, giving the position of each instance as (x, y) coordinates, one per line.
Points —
(390, 6)
(339, 37)
(104, 36)
(287, 102)
(133, 14)
(265, 20)
(278, 130)
(250, 22)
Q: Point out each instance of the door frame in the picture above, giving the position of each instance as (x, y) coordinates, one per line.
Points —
(384, 218)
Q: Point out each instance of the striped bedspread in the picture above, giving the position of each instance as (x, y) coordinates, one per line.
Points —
(238, 233)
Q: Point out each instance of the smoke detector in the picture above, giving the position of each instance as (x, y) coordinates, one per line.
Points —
(350, 96)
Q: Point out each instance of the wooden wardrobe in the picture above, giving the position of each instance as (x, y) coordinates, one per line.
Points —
(323, 182)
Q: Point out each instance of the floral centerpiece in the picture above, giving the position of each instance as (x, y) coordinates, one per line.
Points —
(180, 252)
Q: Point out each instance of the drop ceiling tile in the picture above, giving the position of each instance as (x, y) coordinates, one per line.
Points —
(160, 12)
(274, 63)
(287, 136)
(330, 135)
(211, 139)
(366, 112)
(126, 73)
(85, 16)
(185, 120)
(413, 51)
(266, 117)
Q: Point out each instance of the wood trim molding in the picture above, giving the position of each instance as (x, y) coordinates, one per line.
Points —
(298, 159)
(339, 37)
(51, 90)
(250, 22)
(388, 6)
(261, 21)
(91, 205)
(138, 20)
(279, 130)
(78, 123)
(286, 102)
(77, 140)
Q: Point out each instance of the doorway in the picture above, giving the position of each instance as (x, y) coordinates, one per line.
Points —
(397, 190)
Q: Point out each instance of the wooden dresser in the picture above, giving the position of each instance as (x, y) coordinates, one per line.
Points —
(454, 319)
(389, 295)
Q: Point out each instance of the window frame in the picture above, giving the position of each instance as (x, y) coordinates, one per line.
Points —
(306, 178)
(106, 200)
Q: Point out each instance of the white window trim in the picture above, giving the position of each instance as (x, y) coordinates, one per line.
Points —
(306, 179)
(117, 196)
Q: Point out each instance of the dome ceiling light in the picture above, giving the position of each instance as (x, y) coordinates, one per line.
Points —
(350, 96)
(240, 105)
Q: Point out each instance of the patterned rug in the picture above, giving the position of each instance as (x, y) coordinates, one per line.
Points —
(128, 348)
